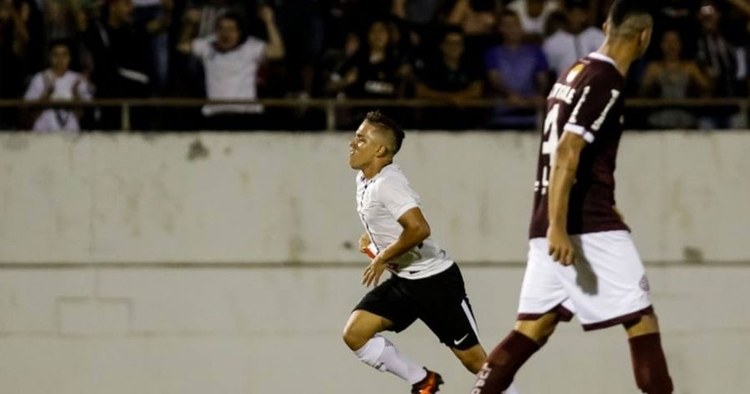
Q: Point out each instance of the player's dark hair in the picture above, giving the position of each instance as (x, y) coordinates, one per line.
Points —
(379, 119)
(623, 10)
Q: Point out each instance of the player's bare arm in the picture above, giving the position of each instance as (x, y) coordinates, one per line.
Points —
(561, 182)
(416, 230)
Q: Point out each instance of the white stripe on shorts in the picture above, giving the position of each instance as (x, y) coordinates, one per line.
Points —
(469, 316)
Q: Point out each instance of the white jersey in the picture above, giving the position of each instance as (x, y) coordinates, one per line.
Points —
(230, 75)
(381, 201)
(51, 120)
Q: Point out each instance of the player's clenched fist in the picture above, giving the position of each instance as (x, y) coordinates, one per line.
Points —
(364, 242)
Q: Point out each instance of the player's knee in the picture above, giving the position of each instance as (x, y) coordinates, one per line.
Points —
(354, 337)
(538, 330)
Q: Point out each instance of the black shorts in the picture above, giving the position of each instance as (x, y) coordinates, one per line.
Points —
(439, 301)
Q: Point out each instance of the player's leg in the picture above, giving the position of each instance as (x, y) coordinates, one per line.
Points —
(471, 358)
(649, 364)
(383, 308)
(542, 305)
(609, 287)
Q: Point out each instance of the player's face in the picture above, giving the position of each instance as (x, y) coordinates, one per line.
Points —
(364, 147)
(60, 58)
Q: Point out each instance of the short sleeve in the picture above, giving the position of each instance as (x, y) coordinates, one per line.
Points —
(201, 47)
(254, 49)
(397, 196)
(35, 89)
(84, 89)
(592, 106)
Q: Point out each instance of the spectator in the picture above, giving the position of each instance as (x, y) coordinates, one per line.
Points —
(58, 83)
(725, 64)
(673, 78)
(450, 78)
(120, 55)
(479, 20)
(202, 16)
(375, 71)
(575, 41)
(516, 72)
(157, 44)
(231, 60)
(533, 15)
(679, 16)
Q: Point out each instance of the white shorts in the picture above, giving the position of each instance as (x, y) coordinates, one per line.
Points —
(606, 286)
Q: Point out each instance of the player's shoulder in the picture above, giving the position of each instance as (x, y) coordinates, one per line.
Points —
(595, 70)
(392, 173)
(391, 177)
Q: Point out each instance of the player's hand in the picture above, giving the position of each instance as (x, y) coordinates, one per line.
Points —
(373, 272)
(364, 243)
(560, 247)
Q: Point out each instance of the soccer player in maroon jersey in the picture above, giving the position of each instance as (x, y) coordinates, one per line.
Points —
(581, 257)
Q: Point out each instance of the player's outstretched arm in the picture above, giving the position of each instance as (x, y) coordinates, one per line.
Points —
(561, 181)
(416, 230)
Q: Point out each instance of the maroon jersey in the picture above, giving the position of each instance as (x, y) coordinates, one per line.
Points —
(587, 100)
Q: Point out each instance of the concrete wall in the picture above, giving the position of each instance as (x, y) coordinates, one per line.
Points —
(277, 330)
(290, 198)
(149, 265)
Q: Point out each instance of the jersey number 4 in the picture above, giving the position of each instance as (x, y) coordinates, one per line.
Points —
(550, 139)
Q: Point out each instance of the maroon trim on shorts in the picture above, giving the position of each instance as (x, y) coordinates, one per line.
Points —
(563, 313)
(649, 310)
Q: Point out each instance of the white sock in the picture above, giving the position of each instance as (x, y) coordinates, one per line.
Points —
(511, 389)
(382, 355)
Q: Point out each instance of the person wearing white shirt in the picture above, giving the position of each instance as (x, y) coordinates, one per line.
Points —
(231, 64)
(425, 282)
(58, 83)
(578, 39)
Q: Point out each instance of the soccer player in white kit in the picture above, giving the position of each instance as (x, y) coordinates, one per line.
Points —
(581, 257)
(425, 284)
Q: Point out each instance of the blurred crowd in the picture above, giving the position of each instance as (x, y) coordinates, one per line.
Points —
(445, 50)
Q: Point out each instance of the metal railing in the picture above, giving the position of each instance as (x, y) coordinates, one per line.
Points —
(331, 105)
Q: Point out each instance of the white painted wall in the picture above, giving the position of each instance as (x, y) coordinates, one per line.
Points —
(277, 330)
(290, 198)
(256, 328)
